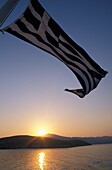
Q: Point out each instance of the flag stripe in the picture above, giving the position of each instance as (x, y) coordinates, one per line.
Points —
(80, 64)
(37, 7)
(31, 19)
(38, 28)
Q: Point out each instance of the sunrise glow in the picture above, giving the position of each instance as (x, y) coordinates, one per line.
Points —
(42, 132)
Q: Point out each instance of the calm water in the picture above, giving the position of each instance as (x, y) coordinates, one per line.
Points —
(96, 157)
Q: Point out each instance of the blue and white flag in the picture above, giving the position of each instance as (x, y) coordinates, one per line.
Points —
(39, 29)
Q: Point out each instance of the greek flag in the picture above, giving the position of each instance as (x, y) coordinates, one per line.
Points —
(36, 27)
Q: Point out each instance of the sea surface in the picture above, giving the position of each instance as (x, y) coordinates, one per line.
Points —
(95, 157)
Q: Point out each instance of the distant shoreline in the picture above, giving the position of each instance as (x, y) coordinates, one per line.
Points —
(30, 142)
(50, 141)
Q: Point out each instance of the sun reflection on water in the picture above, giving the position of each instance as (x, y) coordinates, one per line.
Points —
(42, 160)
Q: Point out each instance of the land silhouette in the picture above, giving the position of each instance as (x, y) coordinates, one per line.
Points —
(91, 140)
(50, 141)
(25, 142)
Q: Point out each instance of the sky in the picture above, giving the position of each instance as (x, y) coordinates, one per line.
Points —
(32, 82)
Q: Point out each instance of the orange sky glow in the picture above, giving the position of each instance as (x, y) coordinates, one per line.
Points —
(32, 82)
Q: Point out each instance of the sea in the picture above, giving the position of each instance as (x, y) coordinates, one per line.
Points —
(94, 157)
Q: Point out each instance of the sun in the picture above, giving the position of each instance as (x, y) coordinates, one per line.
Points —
(42, 132)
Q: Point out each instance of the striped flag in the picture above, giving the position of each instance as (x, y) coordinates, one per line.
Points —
(37, 27)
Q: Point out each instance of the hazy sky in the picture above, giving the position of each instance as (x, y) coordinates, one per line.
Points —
(32, 82)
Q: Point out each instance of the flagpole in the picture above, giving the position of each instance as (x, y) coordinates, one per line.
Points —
(7, 9)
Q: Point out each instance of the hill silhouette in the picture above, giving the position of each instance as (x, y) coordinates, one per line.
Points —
(25, 142)
(91, 140)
